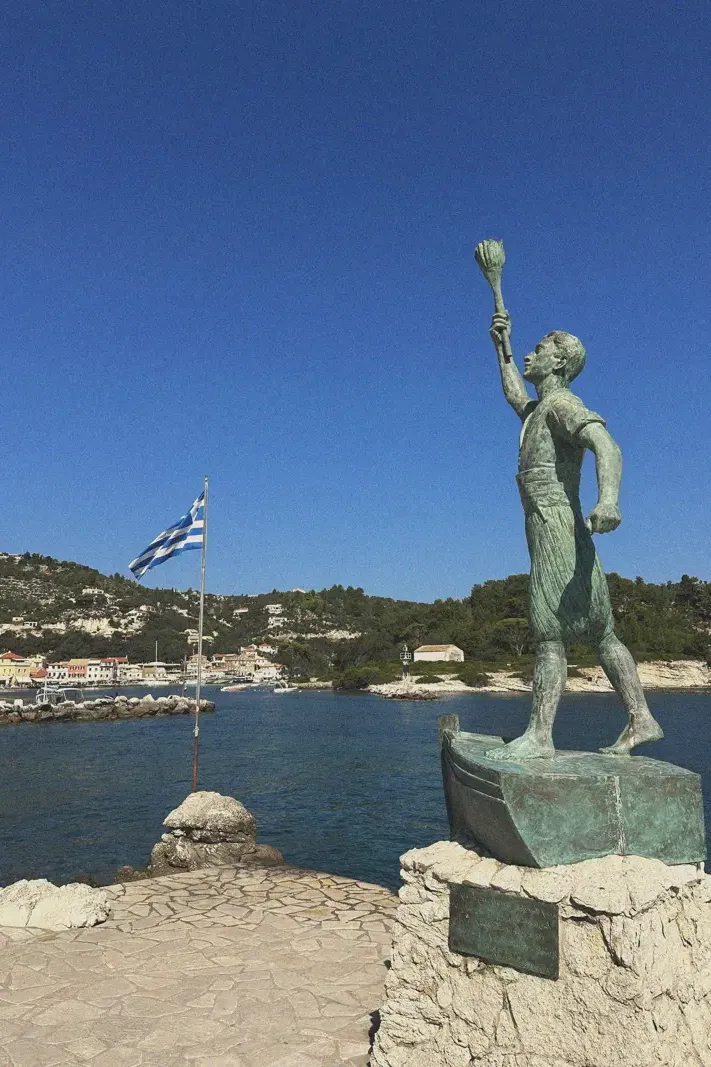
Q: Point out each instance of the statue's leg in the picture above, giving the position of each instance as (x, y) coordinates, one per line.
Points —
(621, 669)
(549, 677)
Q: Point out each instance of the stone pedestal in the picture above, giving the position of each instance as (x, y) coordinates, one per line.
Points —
(634, 967)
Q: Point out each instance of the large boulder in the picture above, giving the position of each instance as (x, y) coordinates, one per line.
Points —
(39, 903)
(210, 830)
(180, 852)
(211, 817)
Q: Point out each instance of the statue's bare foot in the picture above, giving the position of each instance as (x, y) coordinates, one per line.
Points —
(527, 746)
(635, 733)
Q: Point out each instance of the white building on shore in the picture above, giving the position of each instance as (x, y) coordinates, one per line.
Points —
(438, 654)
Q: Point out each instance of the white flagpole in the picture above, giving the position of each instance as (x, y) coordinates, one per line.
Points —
(196, 731)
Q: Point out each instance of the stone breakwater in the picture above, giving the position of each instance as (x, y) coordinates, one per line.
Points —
(119, 707)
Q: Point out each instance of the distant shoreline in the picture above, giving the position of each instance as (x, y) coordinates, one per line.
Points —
(654, 674)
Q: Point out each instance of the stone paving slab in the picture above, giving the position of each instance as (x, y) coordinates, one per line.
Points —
(215, 968)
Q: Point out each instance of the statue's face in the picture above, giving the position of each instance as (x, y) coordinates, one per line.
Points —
(545, 359)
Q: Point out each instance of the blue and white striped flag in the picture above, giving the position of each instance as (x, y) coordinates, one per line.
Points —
(188, 532)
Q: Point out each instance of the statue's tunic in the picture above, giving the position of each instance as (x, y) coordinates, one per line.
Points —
(568, 594)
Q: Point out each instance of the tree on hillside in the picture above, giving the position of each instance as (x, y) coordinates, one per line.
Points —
(512, 636)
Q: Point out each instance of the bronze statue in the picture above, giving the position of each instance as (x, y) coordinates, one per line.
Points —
(568, 595)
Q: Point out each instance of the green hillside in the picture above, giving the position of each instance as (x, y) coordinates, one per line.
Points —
(64, 609)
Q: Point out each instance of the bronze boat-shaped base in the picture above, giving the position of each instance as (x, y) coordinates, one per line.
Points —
(571, 807)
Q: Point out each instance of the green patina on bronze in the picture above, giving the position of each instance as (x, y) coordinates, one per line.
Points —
(570, 807)
(504, 929)
(521, 800)
(568, 595)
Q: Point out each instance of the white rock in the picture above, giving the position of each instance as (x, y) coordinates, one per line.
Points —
(70, 906)
(458, 867)
(599, 885)
(39, 903)
(482, 873)
(18, 900)
(212, 812)
(14, 914)
(412, 894)
(421, 859)
(508, 879)
(551, 884)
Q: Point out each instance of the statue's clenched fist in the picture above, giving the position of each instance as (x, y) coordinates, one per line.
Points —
(604, 518)
(500, 331)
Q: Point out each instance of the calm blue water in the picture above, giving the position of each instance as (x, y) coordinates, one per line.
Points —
(337, 782)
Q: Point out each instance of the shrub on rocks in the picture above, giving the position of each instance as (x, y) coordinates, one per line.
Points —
(473, 674)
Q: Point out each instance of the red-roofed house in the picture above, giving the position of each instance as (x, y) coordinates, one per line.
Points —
(16, 669)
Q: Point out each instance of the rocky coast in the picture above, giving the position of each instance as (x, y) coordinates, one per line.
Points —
(120, 707)
(655, 674)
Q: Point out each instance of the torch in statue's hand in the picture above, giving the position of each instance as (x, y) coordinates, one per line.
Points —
(491, 258)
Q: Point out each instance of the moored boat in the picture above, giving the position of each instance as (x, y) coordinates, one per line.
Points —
(52, 695)
(284, 687)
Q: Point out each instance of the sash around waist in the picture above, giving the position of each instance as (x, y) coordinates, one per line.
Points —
(540, 487)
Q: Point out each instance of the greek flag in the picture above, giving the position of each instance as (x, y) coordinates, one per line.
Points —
(188, 532)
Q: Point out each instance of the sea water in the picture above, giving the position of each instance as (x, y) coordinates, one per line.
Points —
(339, 783)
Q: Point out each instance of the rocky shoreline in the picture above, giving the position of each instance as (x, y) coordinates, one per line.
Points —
(654, 674)
(120, 707)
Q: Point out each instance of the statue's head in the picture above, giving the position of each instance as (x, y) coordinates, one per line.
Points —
(557, 353)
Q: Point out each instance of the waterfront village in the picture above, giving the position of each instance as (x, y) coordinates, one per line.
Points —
(251, 663)
(254, 663)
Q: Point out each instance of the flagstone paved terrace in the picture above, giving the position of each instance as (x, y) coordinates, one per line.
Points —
(215, 968)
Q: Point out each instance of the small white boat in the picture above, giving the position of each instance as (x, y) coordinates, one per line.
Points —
(236, 688)
(52, 695)
(284, 687)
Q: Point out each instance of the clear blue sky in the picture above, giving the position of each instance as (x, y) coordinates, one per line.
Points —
(237, 239)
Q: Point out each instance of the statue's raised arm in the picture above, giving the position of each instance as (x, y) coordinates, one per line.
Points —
(511, 380)
(490, 257)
